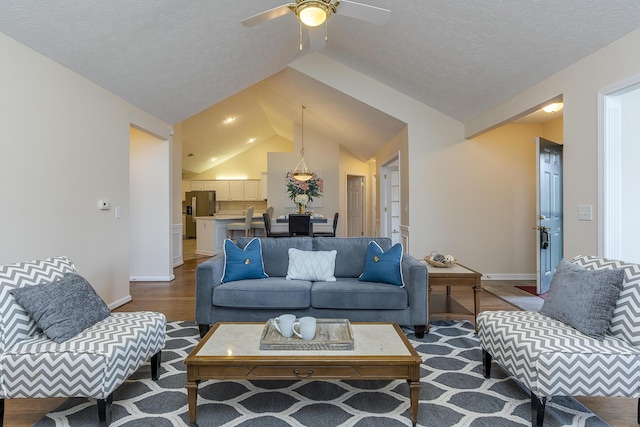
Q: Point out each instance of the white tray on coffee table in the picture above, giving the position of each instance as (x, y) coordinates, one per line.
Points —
(331, 334)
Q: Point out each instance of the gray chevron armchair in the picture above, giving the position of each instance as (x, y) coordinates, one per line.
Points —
(91, 364)
(552, 358)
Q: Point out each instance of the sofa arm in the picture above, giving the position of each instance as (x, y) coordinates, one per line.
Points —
(208, 276)
(415, 276)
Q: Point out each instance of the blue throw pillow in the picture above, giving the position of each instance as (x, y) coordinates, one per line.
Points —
(240, 264)
(381, 266)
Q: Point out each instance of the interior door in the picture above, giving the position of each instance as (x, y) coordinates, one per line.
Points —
(355, 206)
(549, 241)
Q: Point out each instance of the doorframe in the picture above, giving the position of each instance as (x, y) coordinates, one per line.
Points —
(385, 195)
(609, 177)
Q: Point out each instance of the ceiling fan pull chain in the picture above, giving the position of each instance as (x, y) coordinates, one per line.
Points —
(300, 35)
(326, 31)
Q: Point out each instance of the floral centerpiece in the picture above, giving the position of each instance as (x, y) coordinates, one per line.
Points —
(303, 192)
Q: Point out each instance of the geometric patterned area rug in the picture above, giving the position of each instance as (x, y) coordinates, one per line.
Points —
(454, 393)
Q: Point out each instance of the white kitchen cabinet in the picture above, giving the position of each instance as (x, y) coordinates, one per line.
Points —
(204, 235)
(196, 185)
(209, 185)
(222, 190)
(251, 190)
(236, 190)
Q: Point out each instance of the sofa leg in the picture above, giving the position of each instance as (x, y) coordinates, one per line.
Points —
(538, 405)
(486, 363)
(156, 360)
(104, 410)
(203, 329)
(419, 330)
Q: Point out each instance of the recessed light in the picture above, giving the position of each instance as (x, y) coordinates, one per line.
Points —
(213, 159)
(251, 140)
(229, 119)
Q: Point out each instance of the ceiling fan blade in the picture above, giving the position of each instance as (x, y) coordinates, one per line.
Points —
(268, 15)
(364, 12)
(317, 37)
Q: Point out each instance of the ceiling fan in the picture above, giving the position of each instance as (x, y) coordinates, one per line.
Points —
(313, 13)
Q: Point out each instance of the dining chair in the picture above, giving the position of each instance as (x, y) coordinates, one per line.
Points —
(329, 233)
(243, 226)
(300, 225)
(259, 224)
(267, 227)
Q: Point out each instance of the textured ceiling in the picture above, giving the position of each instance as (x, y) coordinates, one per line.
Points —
(175, 59)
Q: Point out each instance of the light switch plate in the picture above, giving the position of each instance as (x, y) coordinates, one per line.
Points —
(585, 212)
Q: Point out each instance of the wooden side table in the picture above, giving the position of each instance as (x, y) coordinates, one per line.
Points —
(458, 275)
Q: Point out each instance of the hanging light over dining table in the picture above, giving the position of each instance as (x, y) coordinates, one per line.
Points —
(301, 171)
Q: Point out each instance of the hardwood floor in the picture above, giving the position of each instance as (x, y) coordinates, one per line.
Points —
(176, 300)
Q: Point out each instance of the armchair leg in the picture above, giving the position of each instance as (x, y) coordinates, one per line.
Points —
(104, 410)
(636, 420)
(419, 330)
(203, 329)
(156, 359)
(1, 412)
(486, 363)
(538, 405)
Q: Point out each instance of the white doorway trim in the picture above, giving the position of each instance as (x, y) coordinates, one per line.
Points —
(609, 166)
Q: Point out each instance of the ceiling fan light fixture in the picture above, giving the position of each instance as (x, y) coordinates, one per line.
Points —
(312, 13)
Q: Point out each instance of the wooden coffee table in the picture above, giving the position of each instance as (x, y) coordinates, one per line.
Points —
(232, 351)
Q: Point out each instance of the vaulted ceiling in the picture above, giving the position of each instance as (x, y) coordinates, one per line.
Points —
(176, 59)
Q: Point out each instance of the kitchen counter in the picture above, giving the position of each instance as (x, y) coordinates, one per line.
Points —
(212, 230)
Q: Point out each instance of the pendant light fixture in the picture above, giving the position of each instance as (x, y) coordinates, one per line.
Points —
(301, 172)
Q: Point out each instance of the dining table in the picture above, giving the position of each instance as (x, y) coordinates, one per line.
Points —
(315, 219)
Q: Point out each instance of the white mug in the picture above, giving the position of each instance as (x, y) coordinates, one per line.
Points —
(284, 324)
(307, 327)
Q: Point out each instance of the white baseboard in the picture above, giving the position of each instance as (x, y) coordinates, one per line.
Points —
(151, 278)
(121, 301)
(201, 252)
(499, 276)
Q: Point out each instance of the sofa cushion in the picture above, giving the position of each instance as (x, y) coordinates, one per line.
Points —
(16, 322)
(245, 263)
(273, 292)
(64, 308)
(584, 299)
(351, 252)
(625, 321)
(275, 252)
(383, 266)
(349, 293)
(311, 265)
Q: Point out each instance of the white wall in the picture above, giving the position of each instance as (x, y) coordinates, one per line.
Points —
(579, 85)
(65, 145)
(149, 208)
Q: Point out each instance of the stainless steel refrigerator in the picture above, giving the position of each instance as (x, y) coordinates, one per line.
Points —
(198, 203)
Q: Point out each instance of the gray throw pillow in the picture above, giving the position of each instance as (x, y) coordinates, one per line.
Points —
(64, 308)
(583, 299)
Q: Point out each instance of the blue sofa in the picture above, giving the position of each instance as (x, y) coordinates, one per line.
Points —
(257, 300)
